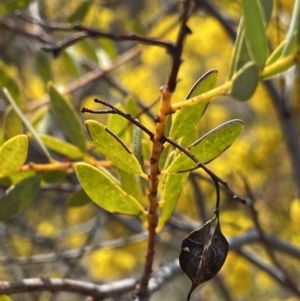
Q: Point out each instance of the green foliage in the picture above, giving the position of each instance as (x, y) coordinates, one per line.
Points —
(244, 82)
(71, 172)
(111, 197)
(255, 31)
(208, 147)
(187, 118)
(13, 154)
(105, 141)
(68, 118)
(19, 197)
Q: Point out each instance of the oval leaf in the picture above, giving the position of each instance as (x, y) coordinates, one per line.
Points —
(255, 31)
(113, 148)
(208, 147)
(245, 82)
(62, 147)
(187, 118)
(106, 193)
(13, 154)
(19, 197)
(171, 190)
(67, 117)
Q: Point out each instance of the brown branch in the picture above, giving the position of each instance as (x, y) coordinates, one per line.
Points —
(177, 52)
(83, 32)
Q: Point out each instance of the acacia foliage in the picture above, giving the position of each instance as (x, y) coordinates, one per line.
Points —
(46, 117)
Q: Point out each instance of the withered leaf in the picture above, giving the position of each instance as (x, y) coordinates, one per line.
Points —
(203, 253)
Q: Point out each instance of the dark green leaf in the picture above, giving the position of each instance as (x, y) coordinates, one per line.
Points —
(113, 148)
(187, 118)
(244, 82)
(81, 11)
(106, 193)
(267, 6)
(78, 199)
(13, 154)
(6, 80)
(208, 147)
(71, 63)
(19, 197)
(255, 31)
(68, 118)
(43, 66)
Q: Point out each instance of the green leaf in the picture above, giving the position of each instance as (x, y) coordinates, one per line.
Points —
(187, 118)
(278, 52)
(27, 124)
(4, 298)
(173, 184)
(106, 193)
(43, 66)
(267, 6)
(171, 190)
(80, 12)
(12, 124)
(255, 31)
(9, 6)
(240, 54)
(13, 154)
(113, 149)
(16, 177)
(294, 27)
(18, 198)
(119, 125)
(89, 50)
(61, 147)
(129, 184)
(67, 117)
(209, 146)
(244, 82)
(71, 63)
(78, 198)
(6, 80)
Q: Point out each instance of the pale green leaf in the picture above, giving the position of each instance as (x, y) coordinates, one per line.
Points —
(278, 52)
(19, 197)
(208, 147)
(244, 82)
(113, 148)
(187, 118)
(294, 27)
(13, 154)
(255, 31)
(67, 117)
(61, 147)
(170, 193)
(106, 193)
(130, 184)
(12, 124)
